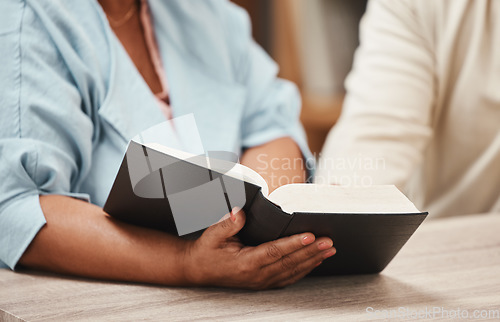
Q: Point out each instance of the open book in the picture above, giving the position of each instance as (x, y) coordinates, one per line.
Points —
(180, 193)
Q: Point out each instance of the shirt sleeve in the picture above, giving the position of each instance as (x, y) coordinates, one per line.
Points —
(45, 137)
(385, 124)
(272, 106)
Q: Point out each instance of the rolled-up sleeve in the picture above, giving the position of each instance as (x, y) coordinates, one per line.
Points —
(273, 105)
(45, 137)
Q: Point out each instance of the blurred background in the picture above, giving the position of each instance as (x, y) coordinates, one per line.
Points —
(313, 41)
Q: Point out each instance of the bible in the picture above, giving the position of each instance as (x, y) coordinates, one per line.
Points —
(179, 193)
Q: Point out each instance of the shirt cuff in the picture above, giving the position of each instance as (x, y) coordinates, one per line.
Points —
(20, 221)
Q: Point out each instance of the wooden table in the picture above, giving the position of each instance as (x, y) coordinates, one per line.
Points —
(449, 263)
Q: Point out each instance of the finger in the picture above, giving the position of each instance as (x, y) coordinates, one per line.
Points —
(271, 252)
(290, 276)
(226, 228)
(299, 260)
(292, 280)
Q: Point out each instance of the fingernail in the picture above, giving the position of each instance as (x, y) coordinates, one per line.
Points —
(329, 253)
(324, 245)
(233, 213)
(307, 239)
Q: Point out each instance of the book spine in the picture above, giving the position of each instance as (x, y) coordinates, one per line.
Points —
(264, 221)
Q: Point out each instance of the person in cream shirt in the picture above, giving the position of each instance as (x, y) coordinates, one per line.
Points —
(422, 109)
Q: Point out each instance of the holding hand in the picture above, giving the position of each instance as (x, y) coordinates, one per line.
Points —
(218, 258)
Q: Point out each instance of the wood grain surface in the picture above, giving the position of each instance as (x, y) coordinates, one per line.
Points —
(453, 264)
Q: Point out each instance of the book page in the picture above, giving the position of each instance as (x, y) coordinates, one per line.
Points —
(231, 169)
(316, 198)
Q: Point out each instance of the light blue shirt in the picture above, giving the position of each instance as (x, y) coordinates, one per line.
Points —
(71, 98)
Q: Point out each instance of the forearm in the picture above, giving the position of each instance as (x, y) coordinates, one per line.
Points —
(279, 162)
(80, 239)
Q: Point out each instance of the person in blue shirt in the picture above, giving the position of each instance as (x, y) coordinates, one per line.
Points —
(79, 79)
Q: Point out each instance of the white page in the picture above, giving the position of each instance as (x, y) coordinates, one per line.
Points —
(237, 170)
(341, 199)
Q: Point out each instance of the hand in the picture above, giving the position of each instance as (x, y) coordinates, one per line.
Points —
(218, 258)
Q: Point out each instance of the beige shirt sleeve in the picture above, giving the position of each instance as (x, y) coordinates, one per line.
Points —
(385, 123)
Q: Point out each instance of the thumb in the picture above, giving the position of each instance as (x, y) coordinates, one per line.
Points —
(229, 226)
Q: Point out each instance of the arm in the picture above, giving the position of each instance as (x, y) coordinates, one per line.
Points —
(272, 137)
(80, 239)
(279, 162)
(386, 119)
